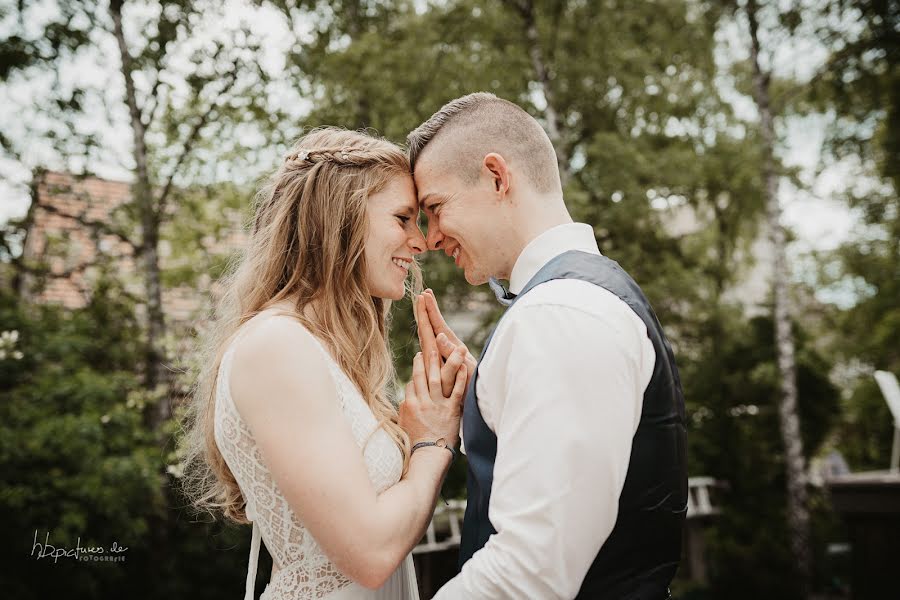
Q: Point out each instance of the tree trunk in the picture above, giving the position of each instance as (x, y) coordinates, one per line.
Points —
(355, 14)
(162, 524)
(795, 464)
(542, 71)
(154, 373)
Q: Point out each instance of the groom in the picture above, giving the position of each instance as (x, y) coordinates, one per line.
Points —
(574, 417)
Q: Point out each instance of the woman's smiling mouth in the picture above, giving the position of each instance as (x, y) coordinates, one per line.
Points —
(403, 263)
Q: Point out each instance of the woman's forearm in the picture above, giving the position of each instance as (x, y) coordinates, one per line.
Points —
(404, 510)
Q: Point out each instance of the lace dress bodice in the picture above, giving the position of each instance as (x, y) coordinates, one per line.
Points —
(302, 568)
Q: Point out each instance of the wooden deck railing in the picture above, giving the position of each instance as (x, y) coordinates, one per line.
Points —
(444, 529)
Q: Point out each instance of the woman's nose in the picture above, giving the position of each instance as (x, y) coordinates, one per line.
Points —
(417, 242)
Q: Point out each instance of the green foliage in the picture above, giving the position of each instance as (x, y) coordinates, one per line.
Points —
(75, 458)
(861, 84)
(865, 273)
(860, 87)
(732, 392)
(78, 463)
(866, 432)
(643, 130)
(63, 34)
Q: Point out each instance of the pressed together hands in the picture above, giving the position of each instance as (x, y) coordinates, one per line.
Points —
(432, 407)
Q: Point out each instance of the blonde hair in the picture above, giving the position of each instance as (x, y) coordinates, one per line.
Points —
(307, 243)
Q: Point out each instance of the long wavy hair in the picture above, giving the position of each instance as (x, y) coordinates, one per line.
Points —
(307, 242)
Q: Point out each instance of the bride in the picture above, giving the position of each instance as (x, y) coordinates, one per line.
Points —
(291, 427)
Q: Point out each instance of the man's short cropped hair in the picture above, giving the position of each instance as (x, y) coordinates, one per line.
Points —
(464, 130)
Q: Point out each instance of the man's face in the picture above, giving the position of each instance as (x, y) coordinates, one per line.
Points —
(464, 220)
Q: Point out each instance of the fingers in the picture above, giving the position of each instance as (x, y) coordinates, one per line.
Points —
(447, 348)
(434, 333)
(420, 384)
(471, 363)
(448, 371)
(435, 317)
(444, 345)
(457, 394)
(417, 314)
(434, 375)
(426, 328)
(426, 334)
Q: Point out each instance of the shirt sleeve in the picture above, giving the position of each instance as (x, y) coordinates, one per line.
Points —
(570, 386)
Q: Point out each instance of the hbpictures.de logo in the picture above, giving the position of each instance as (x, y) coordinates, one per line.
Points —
(40, 551)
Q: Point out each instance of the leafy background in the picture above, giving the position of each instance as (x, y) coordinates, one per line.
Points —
(650, 102)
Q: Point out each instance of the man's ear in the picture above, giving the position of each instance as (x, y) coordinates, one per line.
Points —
(498, 170)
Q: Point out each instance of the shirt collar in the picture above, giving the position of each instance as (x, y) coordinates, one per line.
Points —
(547, 246)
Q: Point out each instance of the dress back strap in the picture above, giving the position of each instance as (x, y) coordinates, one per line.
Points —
(256, 538)
(253, 563)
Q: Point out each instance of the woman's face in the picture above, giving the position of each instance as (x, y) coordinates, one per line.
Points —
(393, 238)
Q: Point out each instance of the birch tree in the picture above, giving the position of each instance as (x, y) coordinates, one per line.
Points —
(174, 87)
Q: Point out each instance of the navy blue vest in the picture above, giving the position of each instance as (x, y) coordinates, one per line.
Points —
(640, 557)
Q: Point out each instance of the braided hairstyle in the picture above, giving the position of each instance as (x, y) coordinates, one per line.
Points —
(307, 242)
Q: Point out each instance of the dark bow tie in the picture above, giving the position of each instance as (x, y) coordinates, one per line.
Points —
(504, 296)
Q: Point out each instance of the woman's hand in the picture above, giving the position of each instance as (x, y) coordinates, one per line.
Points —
(426, 413)
(435, 334)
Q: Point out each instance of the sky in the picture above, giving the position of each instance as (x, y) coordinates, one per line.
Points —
(819, 221)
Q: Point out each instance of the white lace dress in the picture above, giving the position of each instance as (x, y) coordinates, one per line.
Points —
(303, 570)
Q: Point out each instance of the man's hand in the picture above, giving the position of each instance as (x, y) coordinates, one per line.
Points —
(435, 334)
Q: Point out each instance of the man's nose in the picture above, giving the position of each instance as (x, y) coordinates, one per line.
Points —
(435, 238)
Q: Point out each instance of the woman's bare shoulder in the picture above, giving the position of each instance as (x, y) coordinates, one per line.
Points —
(277, 350)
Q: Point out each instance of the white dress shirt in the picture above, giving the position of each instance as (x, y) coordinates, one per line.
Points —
(561, 386)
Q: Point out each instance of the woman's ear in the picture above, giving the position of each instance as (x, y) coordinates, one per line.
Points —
(499, 172)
